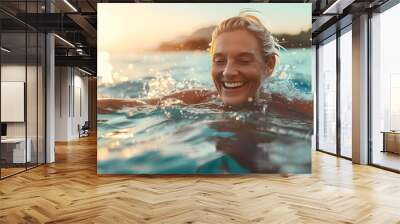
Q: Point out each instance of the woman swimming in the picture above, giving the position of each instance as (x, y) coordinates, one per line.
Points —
(244, 53)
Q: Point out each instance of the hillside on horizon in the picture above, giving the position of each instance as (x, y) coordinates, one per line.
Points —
(200, 39)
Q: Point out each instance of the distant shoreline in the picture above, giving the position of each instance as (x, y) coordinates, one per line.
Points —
(201, 38)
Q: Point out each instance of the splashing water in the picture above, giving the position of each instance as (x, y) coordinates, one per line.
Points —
(174, 138)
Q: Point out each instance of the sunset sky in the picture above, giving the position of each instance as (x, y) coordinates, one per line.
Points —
(126, 28)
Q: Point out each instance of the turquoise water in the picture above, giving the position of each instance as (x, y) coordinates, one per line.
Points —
(172, 138)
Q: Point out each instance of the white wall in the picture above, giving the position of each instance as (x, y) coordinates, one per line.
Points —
(79, 110)
(14, 73)
(71, 88)
(33, 126)
(62, 81)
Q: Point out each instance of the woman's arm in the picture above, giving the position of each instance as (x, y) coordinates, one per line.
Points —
(279, 103)
(191, 96)
(106, 106)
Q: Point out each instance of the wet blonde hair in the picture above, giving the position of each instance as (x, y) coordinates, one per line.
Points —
(269, 46)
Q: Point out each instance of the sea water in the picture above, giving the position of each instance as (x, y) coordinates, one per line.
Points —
(173, 138)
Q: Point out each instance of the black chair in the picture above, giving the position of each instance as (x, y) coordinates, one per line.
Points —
(84, 130)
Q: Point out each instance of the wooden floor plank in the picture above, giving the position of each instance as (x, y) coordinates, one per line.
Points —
(70, 191)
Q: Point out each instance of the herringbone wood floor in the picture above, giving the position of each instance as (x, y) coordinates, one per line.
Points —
(70, 191)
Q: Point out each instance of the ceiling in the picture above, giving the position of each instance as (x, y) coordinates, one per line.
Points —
(76, 22)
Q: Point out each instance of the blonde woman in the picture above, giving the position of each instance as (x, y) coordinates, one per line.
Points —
(244, 53)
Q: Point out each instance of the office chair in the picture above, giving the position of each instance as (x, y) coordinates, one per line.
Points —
(84, 130)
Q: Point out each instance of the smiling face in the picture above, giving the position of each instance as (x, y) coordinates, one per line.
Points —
(238, 67)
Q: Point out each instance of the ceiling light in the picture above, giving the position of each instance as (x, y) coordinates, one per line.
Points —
(337, 7)
(79, 51)
(333, 6)
(70, 5)
(64, 40)
(5, 50)
(84, 71)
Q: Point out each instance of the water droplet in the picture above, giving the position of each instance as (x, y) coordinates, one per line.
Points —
(264, 108)
(167, 114)
(130, 114)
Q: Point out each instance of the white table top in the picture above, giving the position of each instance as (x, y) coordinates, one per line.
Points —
(13, 140)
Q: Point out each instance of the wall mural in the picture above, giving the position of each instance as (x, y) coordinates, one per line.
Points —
(204, 88)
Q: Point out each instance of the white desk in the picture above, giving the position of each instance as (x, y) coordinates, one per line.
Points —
(19, 149)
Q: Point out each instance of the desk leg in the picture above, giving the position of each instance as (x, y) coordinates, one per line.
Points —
(384, 142)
